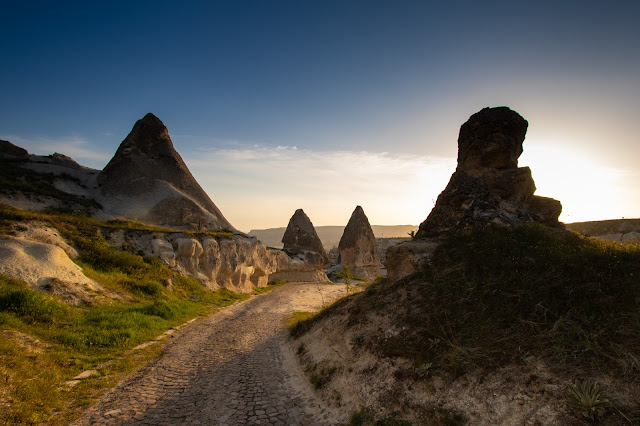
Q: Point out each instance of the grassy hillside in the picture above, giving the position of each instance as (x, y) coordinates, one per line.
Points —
(44, 343)
(498, 297)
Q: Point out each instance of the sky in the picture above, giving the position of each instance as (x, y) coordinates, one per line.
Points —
(325, 105)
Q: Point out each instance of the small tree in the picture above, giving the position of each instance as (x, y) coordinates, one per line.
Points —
(347, 276)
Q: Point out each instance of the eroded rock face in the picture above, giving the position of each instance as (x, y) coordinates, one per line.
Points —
(306, 255)
(236, 262)
(147, 180)
(358, 249)
(488, 187)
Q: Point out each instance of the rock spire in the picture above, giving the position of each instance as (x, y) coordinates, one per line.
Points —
(358, 250)
(301, 236)
(488, 187)
(147, 180)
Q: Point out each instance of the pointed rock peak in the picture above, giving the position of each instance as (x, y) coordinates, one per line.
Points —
(148, 135)
(358, 249)
(358, 226)
(148, 168)
(301, 235)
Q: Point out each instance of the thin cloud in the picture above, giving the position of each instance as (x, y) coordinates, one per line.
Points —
(261, 186)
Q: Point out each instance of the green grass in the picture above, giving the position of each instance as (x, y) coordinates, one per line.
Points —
(79, 338)
(496, 296)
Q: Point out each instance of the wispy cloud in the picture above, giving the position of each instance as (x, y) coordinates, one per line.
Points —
(261, 186)
(80, 149)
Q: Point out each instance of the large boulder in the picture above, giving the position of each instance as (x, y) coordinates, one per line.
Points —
(147, 180)
(487, 189)
(358, 249)
(306, 257)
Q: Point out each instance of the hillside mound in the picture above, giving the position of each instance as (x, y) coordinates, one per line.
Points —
(147, 180)
(492, 332)
(48, 268)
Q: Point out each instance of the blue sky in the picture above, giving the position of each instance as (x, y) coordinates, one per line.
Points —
(362, 99)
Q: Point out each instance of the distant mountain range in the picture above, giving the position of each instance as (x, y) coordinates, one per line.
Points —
(330, 235)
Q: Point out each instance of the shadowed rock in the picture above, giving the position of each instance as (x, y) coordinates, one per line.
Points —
(358, 249)
(306, 255)
(147, 180)
(301, 237)
(7, 149)
(487, 188)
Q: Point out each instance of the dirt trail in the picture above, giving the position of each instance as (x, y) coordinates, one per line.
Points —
(231, 368)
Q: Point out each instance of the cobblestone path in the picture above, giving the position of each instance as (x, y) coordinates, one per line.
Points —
(230, 368)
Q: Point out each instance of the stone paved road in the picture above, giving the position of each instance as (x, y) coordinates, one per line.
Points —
(231, 368)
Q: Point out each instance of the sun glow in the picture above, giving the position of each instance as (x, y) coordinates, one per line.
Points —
(587, 190)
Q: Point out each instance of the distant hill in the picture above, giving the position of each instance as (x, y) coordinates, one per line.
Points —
(614, 230)
(330, 235)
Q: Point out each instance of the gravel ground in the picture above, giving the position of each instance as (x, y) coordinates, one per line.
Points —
(230, 368)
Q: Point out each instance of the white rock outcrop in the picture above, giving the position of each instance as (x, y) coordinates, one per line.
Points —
(235, 262)
(47, 267)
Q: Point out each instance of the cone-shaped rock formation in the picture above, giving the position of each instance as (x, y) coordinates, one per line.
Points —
(301, 237)
(358, 250)
(307, 258)
(488, 187)
(147, 180)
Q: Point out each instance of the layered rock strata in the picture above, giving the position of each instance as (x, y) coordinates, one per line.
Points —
(147, 180)
(358, 249)
(306, 255)
(487, 188)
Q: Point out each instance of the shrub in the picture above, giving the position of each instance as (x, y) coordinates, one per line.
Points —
(588, 398)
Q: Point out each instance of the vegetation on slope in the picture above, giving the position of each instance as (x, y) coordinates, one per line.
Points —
(494, 297)
(44, 342)
(497, 296)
